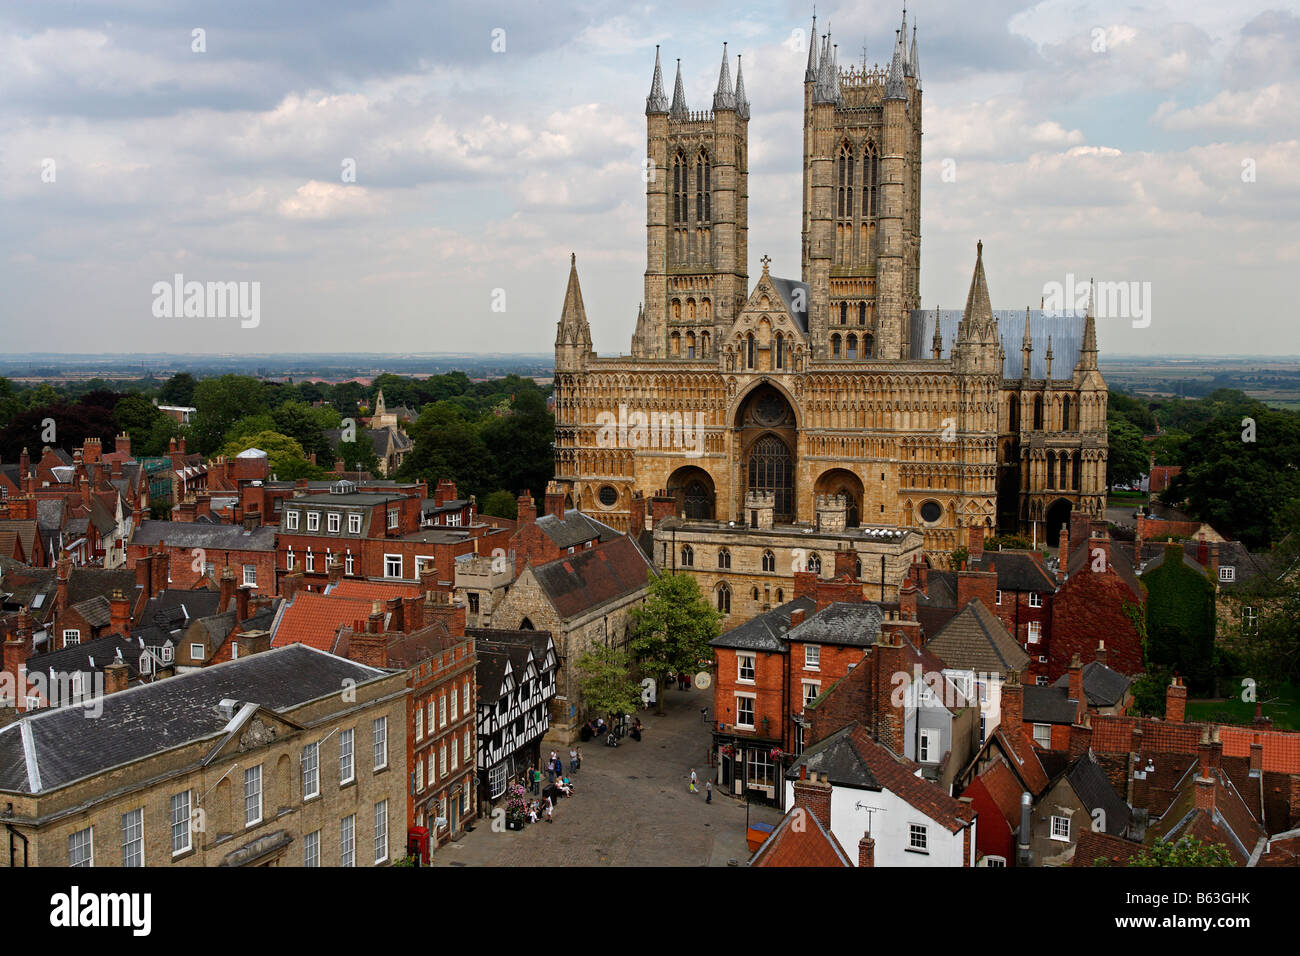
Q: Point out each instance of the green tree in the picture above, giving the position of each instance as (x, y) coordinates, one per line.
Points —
(502, 504)
(1188, 851)
(1180, 618)
(671, 631)
(178, 390)
(1149, 692)
(606, 685)
(446, 444)
(358, 455)
(284, 454)
(521, 443)
(1126, 461)
(221, 402)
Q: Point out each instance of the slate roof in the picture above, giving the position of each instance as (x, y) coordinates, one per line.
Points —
(97, 611)
(48, 749)
(172, 608)
(1065, 329)
(24, 532)
(574, 529)
(851, 625)
(1016, 570)
(837, 756)
(51, 513)
(1102, 686)
(88, 657)
(976, 640)
(210, 537)
(578, 582)
(787, 288)
(1049, 705)
(767, 631)
(1095, 792)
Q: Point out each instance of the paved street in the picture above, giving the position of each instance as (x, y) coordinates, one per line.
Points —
(630, 806)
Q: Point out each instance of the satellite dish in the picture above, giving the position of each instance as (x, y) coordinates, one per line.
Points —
(703, 680)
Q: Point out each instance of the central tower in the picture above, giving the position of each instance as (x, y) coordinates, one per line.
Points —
(697, 218)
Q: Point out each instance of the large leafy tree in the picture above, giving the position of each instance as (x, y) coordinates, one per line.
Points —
(178, 390)
(221, 402)
(1188, 851)
(502, 504)
(285, 455)
(1180, 618)
(671, 631)
(607, 686)
(447, 445)
(521, 442)
(1127, 459)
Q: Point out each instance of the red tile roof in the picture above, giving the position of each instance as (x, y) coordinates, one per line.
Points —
(898, 775)
(315, 619)
(789, 845)
(1005, 790)
(372, 590)
(1094, 845)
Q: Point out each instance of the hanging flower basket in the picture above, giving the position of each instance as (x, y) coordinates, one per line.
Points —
(728, 750)
(777, 753)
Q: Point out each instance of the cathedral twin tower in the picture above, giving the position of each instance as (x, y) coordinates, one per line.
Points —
(836, 383)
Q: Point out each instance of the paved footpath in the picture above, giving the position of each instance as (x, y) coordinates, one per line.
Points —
(630, 807)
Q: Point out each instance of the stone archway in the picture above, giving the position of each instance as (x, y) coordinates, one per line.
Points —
(1056, 517)
(841, 481)
(695, 492)
(767, 432)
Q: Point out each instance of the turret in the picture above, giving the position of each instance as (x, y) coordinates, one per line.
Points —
(977, 346)
(723, 97)
(679, 109)
(656, 102)
(572, 333)
(1026, 348)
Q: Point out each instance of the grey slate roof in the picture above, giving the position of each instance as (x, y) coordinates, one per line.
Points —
(210, 537)
(574, 528)
(838, 758)
(1065, 329)
(1016, 570)
(1049, 705)
(172, 608)
(787, 288)
(1102, 686)
(50, 513)
(64, 746)
(856, 625)
(88, 657)
(767, 631)
(976, 640)
(1094, 791)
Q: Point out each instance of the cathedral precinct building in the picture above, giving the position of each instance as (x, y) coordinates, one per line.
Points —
(758, 408)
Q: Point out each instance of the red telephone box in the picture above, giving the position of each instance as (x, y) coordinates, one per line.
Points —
(417, 844)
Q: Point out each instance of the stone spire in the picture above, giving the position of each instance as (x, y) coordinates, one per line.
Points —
(913, 60)
(573, 329)
(723, 98)
(936, 344)
(810, 74)
(1088, 350)
(742, 104)
(979, 311)
(679, 94)
(907, 62)
(1048, 375)
(895, 86)
(824, 89)
(656, 102)
(1026, 348)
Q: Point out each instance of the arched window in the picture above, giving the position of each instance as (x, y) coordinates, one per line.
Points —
(706, 309)
(704, 344)
(679, 188)
(857, 567)
(1013, 407)
(815, 563)
(844, 313)
(835, 346)
(676, 341)
(724, 597)
(871, 172)
(690, 308)
(769, 561)
(526, 625)
(690, 345)
(1038, 413)
(703, 189)
(853, 347)
(677, 308)
(688, 556)
(724, 559)
(862, 313)
(844, 194)
(771, 470)
(698, 500)
(1051, 470)
(780, 596)
(780, 351)
(754, 593)
(1074, 481)
(868, 343)
(1065, 413)
(749, 349)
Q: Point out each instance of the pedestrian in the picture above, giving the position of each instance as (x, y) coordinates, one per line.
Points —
(694, 780)
(537, 781)
(708, 791)
(550, 809)
(578, 766)
(573, 760)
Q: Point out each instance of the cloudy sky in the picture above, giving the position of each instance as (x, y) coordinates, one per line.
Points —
(1150, 142)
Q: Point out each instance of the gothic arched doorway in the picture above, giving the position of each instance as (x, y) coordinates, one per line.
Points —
(1057, 516)
(841, 481)
(770, 467)
(768, 435)
(693, 488)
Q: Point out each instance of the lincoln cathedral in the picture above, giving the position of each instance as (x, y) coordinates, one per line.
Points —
(832, 406)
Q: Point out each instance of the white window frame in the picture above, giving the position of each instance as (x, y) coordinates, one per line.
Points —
(812, 657)
(381, 832)
(1227, 573)
(1040, 731)
(347, 762)
(379, 737)
(79, 843)
(250, 575)
(348, 840)
(1035, 599)
(740, 668)
(497, 781)
(393, 516)
(388, 559)
(1060, 828)
(313, 520)
(1033, 632)
(71, 635)
(918, 837)
(311, 849)
(812, 689)
(291, 520)
(182, 800)
(311, 770)
(997, 596)
(333, 522)
(753, 714)
(354, 524)
(252, 796)
(197, 652)
(927, 746)
(133, 838)
(442, 711)
(348, 563)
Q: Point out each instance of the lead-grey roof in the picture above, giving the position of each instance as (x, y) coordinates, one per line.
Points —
(574, 528)
(1102, 686)
(767, 631)
(1094, 790)
(210, 537)
(856, 625)
(65, 746)
(1049, 705)
(838, 758)
(1065, 329)
(786, 288)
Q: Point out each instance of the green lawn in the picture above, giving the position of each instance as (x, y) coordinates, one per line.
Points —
(1283, 707)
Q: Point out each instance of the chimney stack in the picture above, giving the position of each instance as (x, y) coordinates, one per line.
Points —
(527, 511)
(115, 677)
(1013, 704)
(1076, 688)
(1101, 653)
(119, 613)
(241, 604)
(813, 795)
(866, 851)
(1175, 700)
(975, 537)
(796, 617)
(227, 599)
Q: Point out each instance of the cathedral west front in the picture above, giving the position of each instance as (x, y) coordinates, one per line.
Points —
(833, 409)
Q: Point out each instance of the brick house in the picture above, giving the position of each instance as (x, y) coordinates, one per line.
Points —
(199, 550)
(257, 762)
